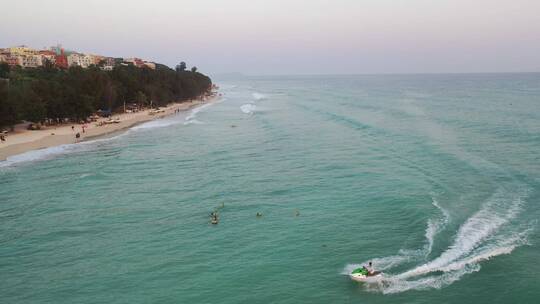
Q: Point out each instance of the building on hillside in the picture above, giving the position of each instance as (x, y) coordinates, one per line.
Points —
(150, 65)
(110, 61)
(87, 61)
(48, 56)
(31, 61)
(134, 61)
(13, 60)
(82, 60)
(107, 64)
(107, 68)
(22, 50)
(73, 60)
(96, 59)
(61, 60)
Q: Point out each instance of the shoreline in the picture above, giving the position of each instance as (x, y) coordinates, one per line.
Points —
(22, 141)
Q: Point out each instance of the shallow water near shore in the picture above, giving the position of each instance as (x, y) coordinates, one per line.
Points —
(434, 178)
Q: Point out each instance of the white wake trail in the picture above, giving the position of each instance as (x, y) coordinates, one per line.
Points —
(483, 224)
(483, 236)
(434, 227)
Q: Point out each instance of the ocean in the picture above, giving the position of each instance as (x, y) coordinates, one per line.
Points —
(433, 178)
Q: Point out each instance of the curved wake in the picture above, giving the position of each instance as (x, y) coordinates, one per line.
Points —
(481, 237)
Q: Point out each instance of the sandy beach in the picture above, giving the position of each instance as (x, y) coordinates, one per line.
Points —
(22, 140)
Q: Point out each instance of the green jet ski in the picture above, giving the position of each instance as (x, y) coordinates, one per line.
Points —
(362, 274)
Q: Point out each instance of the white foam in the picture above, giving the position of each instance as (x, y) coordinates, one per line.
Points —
(196, 110)
(393, 285)
(158, 123)
(35, 155)
(47, 153)
(258, 96)
(453, 271)
(248, 108)
(173, 120)
(497, 211)
(84, 175)
(481, 237)
(193, 121)
(434, 226)
(502, 245)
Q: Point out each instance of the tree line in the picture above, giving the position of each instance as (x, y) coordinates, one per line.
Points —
(51, 94)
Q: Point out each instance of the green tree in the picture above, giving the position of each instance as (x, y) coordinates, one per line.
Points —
(194, 69)
(181, 67)
(141, 98)
(4, 70)
(56, 94)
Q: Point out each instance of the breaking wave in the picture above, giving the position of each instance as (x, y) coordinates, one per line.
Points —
(48, 153)
(51, 152)
(258, 96)
(35, 155)
(191, 118)
(158, 123)
(248, 108)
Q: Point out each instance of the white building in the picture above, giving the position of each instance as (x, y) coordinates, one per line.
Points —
(48, 57)
(81, 60)
(107, 68)
(31, 61)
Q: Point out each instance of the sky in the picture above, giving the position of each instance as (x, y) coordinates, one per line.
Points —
(257, 37)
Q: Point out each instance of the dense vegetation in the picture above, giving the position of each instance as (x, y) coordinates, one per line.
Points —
(51, 94)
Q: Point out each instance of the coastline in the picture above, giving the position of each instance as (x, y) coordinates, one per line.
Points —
(22, 141)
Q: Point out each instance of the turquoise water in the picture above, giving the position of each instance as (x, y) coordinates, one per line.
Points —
(435, 178)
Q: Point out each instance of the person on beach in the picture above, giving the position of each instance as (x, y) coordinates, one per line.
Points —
(2, 137)
(78, 135)
(72, 128)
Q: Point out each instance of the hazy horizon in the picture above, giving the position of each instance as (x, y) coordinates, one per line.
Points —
(292, 37)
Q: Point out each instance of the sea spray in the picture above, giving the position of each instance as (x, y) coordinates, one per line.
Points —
(434, 227)
(497, 211)
(248, 108)
(480, 238)
(258, 96)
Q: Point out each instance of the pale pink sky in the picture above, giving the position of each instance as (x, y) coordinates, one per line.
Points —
(293, 36)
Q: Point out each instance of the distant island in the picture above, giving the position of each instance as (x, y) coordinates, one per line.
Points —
(55, 86)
